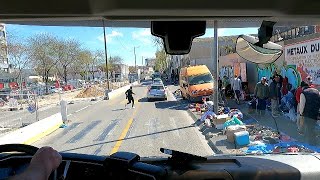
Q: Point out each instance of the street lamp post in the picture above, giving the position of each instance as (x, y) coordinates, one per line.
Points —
(135, 58)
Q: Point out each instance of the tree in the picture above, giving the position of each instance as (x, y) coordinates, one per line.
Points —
(67, 51)
(161, 60)
(114, 63)
(42, 52)
(96, 59)
(132, 69)
(158, 42)
(82, 66)
(18, 58)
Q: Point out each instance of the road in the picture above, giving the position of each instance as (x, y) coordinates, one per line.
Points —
(107, 127)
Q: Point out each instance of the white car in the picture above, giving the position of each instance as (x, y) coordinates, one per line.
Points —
(55, 90)
(157, 91)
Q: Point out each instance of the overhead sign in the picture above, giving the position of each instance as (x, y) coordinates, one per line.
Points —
(306, 57)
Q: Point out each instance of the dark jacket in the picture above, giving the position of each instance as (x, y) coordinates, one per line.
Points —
(261, 91)
(274, 90)
(129, 93)
(312, 106)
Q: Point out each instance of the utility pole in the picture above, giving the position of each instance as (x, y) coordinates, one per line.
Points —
(105, 52)
(215, 66)
(135, 59)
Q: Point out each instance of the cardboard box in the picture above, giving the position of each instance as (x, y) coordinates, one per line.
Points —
(221, 119)
(231, 130)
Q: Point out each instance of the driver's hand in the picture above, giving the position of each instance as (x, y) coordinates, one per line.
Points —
(47, 159)
(43, 162)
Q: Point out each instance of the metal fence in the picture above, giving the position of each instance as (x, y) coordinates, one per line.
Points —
(17, 110)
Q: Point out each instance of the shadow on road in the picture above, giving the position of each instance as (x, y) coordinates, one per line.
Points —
(176, 105)
(144, 135)
(143, 100)
(120, 109)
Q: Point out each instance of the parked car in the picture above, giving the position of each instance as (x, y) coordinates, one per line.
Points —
(157, 91)
(157, 81)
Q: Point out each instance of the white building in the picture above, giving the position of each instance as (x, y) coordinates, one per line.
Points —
(4, 63)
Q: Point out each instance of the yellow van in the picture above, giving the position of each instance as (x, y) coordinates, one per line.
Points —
(195, 82)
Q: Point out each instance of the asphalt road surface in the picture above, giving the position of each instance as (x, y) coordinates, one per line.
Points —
(107, 127)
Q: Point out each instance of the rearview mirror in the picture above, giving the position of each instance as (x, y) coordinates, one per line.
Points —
(177, 36)
(268, 53)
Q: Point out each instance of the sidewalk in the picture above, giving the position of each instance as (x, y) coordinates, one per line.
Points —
(218, 142)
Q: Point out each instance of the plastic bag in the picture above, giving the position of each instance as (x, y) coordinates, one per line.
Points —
(237, 113)
(291, 115)
(233, 121)
(207, 122)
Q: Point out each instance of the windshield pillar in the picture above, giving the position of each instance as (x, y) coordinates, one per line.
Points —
(215, 73)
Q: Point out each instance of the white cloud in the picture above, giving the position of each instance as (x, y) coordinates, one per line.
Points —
(110, 36)
(143, 35)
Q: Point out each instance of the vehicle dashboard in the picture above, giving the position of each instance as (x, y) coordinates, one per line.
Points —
(216, 167)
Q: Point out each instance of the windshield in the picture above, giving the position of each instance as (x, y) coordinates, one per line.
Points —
(80, 98)
(200, 79)
(157, 87)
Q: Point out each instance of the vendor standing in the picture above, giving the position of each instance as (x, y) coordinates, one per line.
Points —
(274, 92)
(309, 108)
(261, 91)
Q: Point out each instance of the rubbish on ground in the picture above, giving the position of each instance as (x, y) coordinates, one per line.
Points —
(220, 119)
(241, 138)
(233, 121)
(236, 112)
(233, 129)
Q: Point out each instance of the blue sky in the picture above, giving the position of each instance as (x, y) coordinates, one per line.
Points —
(120, 41)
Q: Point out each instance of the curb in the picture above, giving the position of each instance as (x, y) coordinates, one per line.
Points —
(33, 132)
(210, 143)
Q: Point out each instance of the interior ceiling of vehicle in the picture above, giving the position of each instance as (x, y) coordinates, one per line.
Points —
(138, 13)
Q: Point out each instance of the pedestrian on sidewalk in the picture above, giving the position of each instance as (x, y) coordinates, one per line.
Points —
(274, 91)
(297, 95)
(129, 96)
(309, 108)
(275, 73)
(309, 82)
(236, 86)
(261, 91)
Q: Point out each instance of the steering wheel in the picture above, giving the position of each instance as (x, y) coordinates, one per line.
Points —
(28, 149)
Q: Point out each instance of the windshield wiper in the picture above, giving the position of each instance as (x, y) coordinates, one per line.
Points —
(180, 158)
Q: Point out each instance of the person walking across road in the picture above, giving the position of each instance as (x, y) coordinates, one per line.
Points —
(236, 86)
(261, 91)
(129, 96)
(309, 109)
(274, 91)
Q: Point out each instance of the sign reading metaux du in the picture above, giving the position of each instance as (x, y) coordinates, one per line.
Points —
(306, 54)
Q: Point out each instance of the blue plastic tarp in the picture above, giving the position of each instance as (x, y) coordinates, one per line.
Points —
(268, 148)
